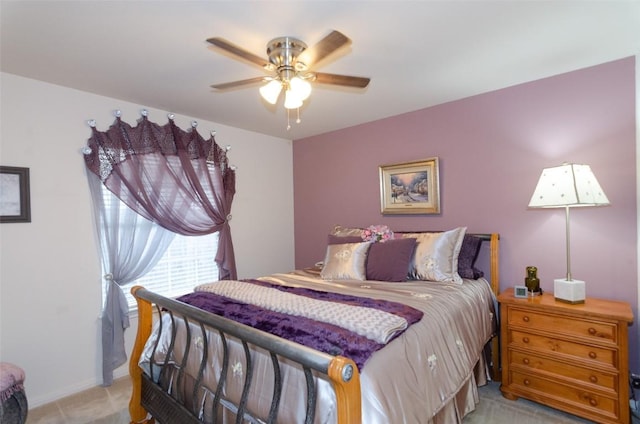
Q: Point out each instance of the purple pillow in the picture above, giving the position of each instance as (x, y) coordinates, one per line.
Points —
(344, 239)
(467, 257)
(389, 261)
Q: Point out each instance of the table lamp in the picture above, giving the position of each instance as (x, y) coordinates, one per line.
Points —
(566, 186)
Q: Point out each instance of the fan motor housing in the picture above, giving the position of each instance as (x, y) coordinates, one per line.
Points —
(282, 51)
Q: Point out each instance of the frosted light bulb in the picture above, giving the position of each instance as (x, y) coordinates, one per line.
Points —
(301, 87)
(291, 100)
(271, 91)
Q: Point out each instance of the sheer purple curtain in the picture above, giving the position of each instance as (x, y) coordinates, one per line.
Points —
(172, 177)
(130, 246)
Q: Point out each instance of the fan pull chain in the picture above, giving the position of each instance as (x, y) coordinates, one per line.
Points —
(298, 112)
(288, 123)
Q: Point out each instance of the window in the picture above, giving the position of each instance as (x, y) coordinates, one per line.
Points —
(189, 261)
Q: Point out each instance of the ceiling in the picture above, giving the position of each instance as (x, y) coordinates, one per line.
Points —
(417, 53)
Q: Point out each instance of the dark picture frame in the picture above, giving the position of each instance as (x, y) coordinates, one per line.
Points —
(15, 200)
(410, 187)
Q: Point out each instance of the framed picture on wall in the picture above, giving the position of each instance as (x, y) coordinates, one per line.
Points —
(15, 203)
(410, 187)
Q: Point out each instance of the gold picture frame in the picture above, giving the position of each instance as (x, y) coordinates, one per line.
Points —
(410, 187)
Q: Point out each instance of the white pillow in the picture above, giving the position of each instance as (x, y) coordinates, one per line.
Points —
(436, 256)
(345, 261)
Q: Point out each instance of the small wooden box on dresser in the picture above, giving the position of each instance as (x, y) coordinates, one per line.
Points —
(571, 357)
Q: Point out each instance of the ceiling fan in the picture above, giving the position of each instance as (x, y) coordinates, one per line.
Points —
(289, 67)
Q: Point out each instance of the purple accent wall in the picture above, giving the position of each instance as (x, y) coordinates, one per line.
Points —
(492, 148)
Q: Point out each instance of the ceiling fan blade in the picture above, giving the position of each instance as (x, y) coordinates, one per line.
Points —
(344, 80)
(238, 51)
(323, 48)
(240, 83)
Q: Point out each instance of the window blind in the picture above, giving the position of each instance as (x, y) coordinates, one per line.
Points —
(189, 261)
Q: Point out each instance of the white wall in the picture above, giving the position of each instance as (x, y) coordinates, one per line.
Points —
(49, 270)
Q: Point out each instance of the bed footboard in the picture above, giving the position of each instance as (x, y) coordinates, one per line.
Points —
(151, 400)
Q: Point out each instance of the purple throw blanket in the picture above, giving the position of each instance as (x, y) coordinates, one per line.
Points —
(318, 335)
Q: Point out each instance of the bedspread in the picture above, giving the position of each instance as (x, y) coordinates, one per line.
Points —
(407, 381)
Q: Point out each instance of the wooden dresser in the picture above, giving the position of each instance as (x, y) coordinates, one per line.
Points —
(569, 357)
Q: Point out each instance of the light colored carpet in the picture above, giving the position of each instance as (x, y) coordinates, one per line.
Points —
(109, 406)
(495, 409)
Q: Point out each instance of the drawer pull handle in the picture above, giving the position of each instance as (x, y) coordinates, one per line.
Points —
(593, 379)
(525, 318)
(593, 402)
(592, 331)
(525, 339)
(526, 382)
(592, 355)
(525, 361)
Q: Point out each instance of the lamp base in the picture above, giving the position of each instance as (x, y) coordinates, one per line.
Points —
(569, 291)
(534, 293)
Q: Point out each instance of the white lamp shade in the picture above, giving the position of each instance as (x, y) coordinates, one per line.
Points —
(271, 91)
(568, 185)
(302, 88)
(292, 100)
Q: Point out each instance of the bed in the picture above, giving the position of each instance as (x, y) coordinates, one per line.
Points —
(189, 365)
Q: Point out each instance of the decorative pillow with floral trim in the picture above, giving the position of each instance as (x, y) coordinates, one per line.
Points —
(343, 239)
(341, 231)
(436, 256)
(345, 261)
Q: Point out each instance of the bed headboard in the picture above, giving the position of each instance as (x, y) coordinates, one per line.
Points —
(494, 279)
(494, 250)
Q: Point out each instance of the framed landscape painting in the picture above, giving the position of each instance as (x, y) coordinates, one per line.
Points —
(410, 187)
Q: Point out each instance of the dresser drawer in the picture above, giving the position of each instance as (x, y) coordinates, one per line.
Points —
(570, 357)
(558, 394)
(558, 324)
(597, 355)
(533, 363)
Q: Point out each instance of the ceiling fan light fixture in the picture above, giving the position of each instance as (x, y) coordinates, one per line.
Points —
(292, 100)
(290, 65)
(301, 87)
(271, 91)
